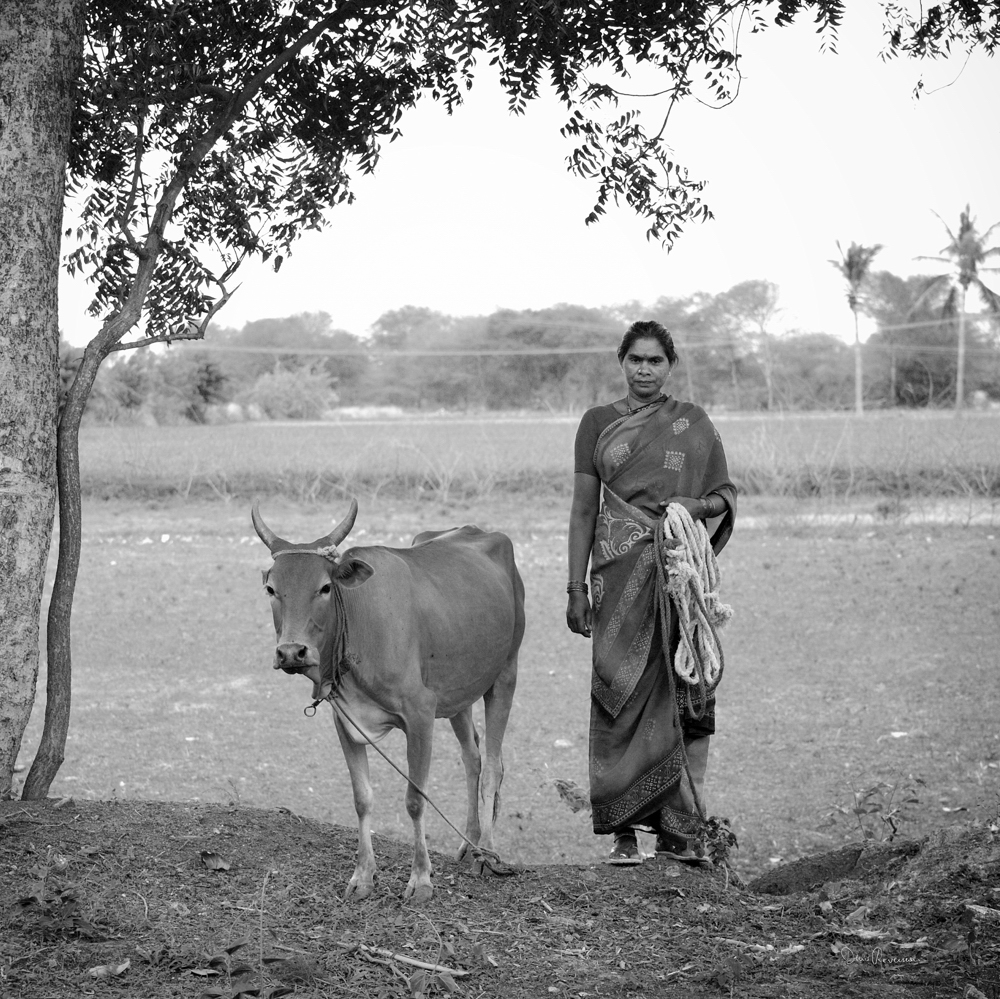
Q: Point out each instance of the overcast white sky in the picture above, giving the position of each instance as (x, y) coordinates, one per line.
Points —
(474, 212)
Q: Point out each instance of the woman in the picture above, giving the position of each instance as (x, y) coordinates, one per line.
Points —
(648, 738)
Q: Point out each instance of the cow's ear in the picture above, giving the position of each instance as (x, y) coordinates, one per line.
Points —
(352, 572)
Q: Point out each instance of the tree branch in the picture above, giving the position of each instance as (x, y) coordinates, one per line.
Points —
(120, 322)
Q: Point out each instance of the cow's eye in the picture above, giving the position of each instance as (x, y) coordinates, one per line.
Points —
(324, 589)
(270, 589)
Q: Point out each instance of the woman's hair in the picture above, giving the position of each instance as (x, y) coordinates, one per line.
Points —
(652, 330)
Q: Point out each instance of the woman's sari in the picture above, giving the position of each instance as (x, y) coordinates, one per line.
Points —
(638, 773)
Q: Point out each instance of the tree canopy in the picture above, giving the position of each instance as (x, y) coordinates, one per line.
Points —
(209, 131)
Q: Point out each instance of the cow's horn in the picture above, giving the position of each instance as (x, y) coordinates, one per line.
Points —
(264, 532)
(342, 529)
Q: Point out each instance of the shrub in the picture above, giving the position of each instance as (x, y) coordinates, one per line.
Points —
(291, 394)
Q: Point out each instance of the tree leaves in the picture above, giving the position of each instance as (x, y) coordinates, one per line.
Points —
(205, 133)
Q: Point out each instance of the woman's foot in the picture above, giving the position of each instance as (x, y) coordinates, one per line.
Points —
(670, 843)
(625, 851)
(673, 847)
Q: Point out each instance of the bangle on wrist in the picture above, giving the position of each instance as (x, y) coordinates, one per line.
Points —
(577, 586)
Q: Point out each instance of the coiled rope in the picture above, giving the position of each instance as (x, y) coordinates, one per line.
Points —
(688, 576)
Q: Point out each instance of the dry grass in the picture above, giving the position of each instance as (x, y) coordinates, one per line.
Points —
(833, 456)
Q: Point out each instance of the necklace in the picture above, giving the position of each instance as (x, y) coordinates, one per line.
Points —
(639, 409)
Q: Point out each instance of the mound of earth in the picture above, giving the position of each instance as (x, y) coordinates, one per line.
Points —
(158, 899)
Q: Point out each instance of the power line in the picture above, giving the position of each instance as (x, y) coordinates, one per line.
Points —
(943, 321)
(388, 355)
(385, 355)
(683, 339)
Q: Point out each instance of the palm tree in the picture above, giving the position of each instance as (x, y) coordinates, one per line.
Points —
(965, 254)
(854, 265)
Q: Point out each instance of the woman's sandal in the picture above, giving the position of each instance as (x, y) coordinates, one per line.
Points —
(625, 852)
(671, 847)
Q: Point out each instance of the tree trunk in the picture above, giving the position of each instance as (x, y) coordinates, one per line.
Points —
(52, 747)
(41, 45)
(892, 374)
(768, 372)
(960, 373)
(859, 405)
(689, 374)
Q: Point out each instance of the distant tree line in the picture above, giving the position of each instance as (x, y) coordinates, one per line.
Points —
(558, 359)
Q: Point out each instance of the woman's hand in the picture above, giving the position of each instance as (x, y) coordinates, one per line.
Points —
(579, 616)
(695, 507)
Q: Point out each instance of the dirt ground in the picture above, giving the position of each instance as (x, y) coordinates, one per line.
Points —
(158, 899)
(860, 653)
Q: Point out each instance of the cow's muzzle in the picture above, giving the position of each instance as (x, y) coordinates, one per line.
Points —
(294, 658)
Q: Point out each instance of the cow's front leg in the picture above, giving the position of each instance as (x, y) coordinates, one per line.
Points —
(419, 735)
(362, 882)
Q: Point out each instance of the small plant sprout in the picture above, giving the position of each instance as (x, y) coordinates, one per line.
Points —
(881, 808)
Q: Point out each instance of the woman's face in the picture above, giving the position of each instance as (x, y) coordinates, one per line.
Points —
(646, 368)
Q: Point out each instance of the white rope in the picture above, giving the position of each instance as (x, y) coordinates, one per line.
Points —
(693, 586)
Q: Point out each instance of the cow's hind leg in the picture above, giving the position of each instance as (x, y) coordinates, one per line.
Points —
(362, 882)
(419, 737)
(498, 700)
(468, 738)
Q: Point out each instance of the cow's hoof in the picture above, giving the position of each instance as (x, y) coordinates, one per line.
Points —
(463, 852)
(419, 895)
(358, 890)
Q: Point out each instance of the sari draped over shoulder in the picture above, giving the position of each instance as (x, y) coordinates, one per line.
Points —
(638, 774)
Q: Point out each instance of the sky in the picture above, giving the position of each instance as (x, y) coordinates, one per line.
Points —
(474, 212)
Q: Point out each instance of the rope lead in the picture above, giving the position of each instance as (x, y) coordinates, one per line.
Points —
(489, 858)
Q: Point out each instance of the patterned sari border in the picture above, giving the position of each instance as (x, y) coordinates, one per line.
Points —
(640, 794)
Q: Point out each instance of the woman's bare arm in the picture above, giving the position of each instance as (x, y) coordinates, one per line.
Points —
(582, 519)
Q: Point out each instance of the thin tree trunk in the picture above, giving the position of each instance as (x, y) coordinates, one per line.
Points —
(859, 405)
(892, 374)
(768, 374)
(960, 374)
(51, 749)
(41, 44)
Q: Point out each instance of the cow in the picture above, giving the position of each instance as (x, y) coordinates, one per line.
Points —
(397, 637)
